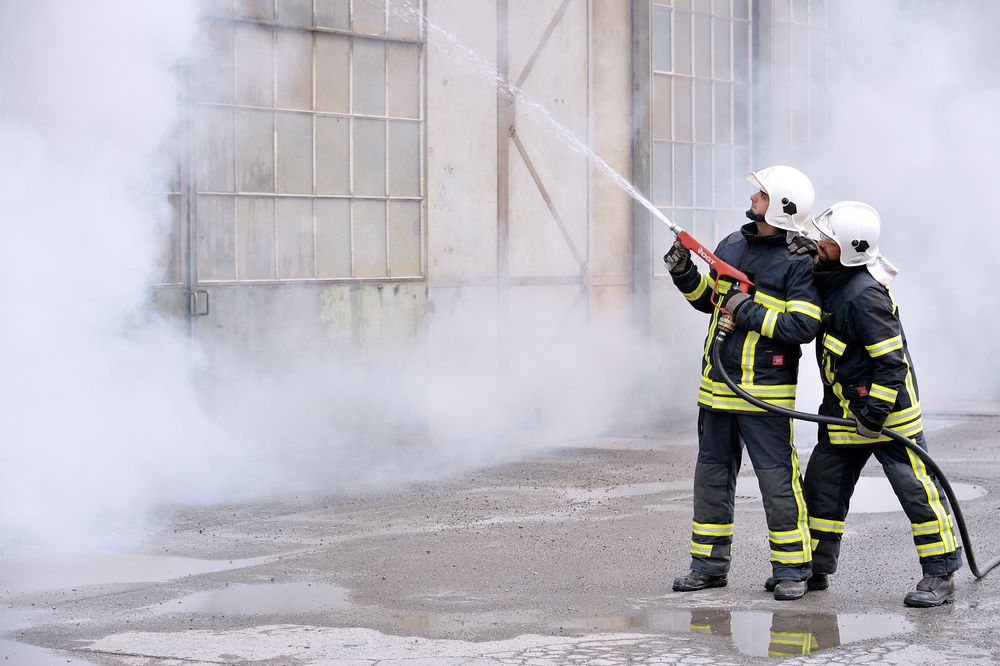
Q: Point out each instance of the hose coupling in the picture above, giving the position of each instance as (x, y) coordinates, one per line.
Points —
(727, 324)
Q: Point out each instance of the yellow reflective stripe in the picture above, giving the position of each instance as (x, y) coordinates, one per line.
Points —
(806, 308)
(738, 404)
(813, 543)
(825, 525)
(770, 322)
(934, 499)
(757, 390)
(936, 548)
(710, 529)
(802, 519)
(749, 352)
(708, 342)
(696, 293)
(834, 345)
(701, 549)
(794, 537)
(794, 557)
(903, 416)
(884, 347)
(847, 435)
(930, 527)
(883, 393)
(700, 627)
(769, 302)
(719, 396)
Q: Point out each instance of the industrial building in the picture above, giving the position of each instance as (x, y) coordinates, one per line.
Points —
(360, 171)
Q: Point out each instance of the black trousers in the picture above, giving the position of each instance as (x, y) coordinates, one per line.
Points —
(831, 476)
(768, 441)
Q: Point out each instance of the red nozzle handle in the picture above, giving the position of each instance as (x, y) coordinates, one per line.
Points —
(721, 268)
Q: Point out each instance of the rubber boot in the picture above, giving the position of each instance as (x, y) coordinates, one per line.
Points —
(696, 580)
(789, 590)
(818, 581)
(932, 591)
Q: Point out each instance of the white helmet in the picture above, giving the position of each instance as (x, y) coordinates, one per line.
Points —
(855, 227)
(790, 195)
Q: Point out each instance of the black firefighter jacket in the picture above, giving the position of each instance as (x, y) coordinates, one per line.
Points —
(863, 358)
(762, 356)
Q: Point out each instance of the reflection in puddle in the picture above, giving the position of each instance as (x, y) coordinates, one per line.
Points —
(271, 598)
(756, 633)
(873, 494)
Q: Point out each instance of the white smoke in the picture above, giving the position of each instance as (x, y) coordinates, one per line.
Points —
(913, 132)
(98, 411)
(112, 414)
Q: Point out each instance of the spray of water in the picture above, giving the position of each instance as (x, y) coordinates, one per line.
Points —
(454, 48)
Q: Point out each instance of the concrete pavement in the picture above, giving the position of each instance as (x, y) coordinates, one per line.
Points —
(562, 557)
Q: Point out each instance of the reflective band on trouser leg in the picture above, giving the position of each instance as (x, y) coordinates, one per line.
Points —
(791, 644)
(712, 524)
(785, 506)
(941, 540)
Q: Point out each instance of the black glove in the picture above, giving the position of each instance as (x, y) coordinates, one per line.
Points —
(865, 429)
(803, 246)
(678, 259)
(734, 299)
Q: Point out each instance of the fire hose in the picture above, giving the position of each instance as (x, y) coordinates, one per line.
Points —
(727, 325)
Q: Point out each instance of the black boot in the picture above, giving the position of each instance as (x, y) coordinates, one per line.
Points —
(696, 580)
(818, 581)
(789, 590)
(931, 591)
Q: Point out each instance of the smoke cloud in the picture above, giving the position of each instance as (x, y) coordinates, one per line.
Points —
(912, 131)
(112, 415)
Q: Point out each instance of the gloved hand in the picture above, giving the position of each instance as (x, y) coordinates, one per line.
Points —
(677, 259)
(734, 299)
(864, 430)
(803, 246)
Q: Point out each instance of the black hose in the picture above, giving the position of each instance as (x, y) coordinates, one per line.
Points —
(832, 420)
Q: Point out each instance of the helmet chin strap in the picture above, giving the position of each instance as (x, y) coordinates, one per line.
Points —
(754, 217)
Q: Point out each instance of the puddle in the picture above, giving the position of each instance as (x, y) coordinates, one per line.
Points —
(754, 633)
(267, 599)
(873, 494)
(42, 573)
(13, 652)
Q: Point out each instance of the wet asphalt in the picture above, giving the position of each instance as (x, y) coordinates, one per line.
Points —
(563, 557)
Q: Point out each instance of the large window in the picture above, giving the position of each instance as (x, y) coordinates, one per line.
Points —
(308, 141)
(806, 38)
(700, 115)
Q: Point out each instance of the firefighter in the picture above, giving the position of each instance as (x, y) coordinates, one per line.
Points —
(868, 377)
(780, 315)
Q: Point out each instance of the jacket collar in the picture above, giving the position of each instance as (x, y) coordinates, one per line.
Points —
(829, 278)
(749, 231)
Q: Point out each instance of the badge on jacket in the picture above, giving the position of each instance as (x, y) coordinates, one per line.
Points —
(862, 391)
(778, 360)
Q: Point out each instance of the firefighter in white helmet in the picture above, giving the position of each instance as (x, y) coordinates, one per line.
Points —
(868, 377)
(781, 313)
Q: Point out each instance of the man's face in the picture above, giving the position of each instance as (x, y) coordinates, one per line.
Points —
(828, 250)
(758, 202)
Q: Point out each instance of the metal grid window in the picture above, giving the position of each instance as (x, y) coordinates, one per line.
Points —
(309, 141)
(806, 47)
(700, 115)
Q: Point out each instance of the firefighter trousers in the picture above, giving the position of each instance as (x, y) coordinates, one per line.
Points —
(831, 476)
(768, 441)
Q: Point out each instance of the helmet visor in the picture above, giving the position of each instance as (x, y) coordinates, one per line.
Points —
(753, 180)
(821, 223)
